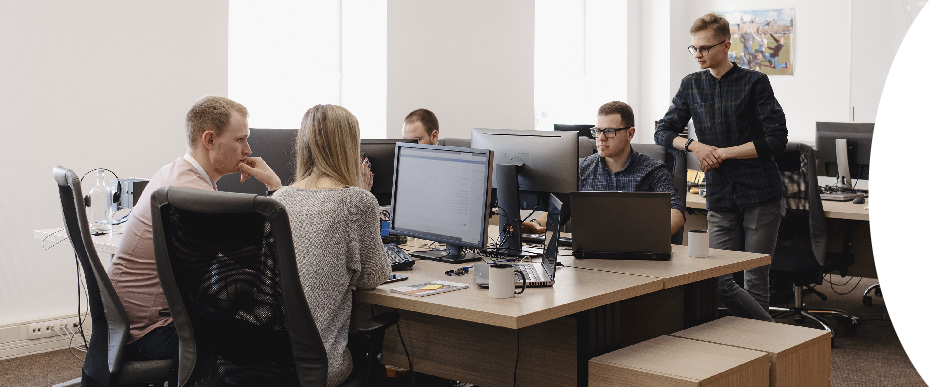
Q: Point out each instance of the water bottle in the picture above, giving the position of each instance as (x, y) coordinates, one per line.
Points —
(100, 215)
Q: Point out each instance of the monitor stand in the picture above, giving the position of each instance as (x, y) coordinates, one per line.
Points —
(452, 254)
(843, 177)
(508, 206)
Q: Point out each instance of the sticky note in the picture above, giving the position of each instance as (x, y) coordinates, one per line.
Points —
(432, 287)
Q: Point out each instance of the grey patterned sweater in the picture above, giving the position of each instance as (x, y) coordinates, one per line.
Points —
(338, 247)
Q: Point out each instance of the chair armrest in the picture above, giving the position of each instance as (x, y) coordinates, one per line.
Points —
(378, 323)
(164, 313)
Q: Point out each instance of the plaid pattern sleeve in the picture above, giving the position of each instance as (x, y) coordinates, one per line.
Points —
(736, 109)
(642, 174)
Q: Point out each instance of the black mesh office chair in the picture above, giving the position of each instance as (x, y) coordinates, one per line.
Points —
(801, 252)
(104, 364)
(226, 262)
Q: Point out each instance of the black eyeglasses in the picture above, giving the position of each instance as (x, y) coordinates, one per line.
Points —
(703, 50)
(607, 132)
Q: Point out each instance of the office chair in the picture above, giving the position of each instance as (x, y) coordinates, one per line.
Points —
(104, 364)
(227, 265)
(800, 251)
(676, 163)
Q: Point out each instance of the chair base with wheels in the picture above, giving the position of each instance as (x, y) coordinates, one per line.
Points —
(801, 312)
(866, 298)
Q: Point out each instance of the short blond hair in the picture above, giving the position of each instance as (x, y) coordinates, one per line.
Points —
(714, 22)
(211, 113)
(328, 145)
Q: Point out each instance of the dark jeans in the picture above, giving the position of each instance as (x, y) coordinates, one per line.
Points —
(753, 229)
(159, 344)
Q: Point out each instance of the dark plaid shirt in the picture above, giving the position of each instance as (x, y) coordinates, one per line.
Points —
(738, 108)
(641, 174)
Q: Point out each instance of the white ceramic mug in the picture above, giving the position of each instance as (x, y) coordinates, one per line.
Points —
(501, 280)
(698, 243)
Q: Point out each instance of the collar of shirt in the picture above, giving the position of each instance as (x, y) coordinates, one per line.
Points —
(193, 161)
(629, 162)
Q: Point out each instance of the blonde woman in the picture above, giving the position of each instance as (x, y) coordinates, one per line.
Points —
(335, 223)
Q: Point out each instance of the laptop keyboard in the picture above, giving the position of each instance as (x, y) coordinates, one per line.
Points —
(529, 271)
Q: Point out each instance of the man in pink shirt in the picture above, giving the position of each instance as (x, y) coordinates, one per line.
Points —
(217, 129)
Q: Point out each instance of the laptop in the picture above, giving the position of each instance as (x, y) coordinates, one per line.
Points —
(537, 274)
(621, 225)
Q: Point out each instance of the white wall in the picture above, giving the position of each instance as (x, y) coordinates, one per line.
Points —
(85, 85)
(471, 63)
(841, 56)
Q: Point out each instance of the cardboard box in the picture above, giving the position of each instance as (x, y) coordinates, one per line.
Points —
(800, 356)
(673, 361)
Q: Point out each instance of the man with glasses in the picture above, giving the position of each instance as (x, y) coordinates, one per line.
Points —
(739, 125)
(617, 167)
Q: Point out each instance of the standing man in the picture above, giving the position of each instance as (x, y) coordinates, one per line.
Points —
(217, 129)
(739, 125)
(422, 125)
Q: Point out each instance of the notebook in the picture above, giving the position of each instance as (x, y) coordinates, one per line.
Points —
(429, 288)
(621, 225)
(537, 274)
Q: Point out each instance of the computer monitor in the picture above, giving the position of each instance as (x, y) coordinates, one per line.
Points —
(380, 153)
(583, 130)
(443, 194)
(529, 165)
(843, 150)
(276, 148)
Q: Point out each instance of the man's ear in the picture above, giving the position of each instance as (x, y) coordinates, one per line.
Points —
(207, 137)
(434, 137)
(632, 131)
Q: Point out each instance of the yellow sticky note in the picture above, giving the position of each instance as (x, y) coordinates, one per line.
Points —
(432, 287)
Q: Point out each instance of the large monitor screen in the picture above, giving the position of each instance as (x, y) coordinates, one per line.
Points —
(442, 194)
(380, 153)
(858, 138)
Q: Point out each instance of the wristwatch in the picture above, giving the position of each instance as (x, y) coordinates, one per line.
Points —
(688, 143)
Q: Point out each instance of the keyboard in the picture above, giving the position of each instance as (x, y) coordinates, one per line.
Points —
(399, 258)
(840, 196)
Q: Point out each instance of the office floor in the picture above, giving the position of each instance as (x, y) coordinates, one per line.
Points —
(871, 357)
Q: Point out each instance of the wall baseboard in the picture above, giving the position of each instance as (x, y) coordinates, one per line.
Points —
(15, 341)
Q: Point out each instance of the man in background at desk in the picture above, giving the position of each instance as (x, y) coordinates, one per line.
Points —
(617, 167)
(217, 129)
(739, 125)
(422, 124)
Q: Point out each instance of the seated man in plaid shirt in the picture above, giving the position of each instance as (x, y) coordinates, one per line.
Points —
(617, 167)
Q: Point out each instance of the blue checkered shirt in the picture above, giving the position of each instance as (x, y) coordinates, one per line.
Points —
(642, 173)
(738, 108)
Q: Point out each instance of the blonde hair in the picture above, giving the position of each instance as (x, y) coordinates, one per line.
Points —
(328, 145)
(714, 22)
(211, 113)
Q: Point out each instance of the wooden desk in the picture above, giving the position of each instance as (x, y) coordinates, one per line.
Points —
(833, 210)
(104, 243)
(844, 220)
(548, 334)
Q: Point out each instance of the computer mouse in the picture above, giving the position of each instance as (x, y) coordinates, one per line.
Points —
(859, 200)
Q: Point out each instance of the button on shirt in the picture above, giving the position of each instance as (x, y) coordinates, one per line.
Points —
(738, 108)
(641, 174)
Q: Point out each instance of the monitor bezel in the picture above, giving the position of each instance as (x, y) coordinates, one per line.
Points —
(488, 156)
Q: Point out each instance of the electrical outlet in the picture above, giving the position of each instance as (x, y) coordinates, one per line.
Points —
(51, 328)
